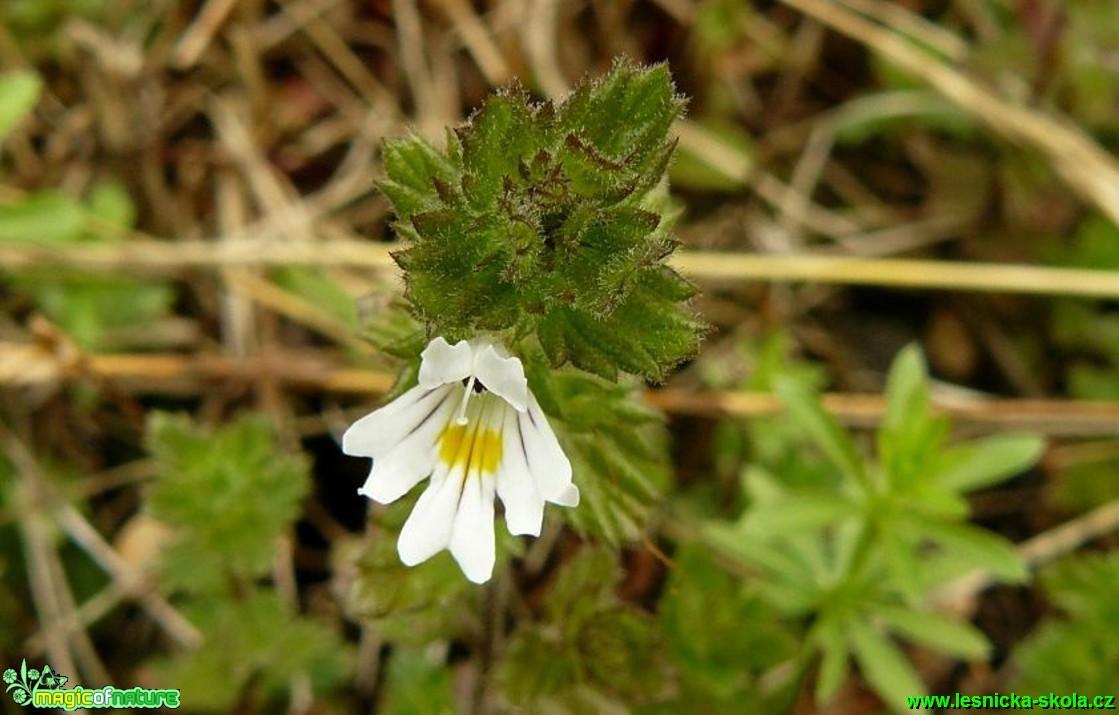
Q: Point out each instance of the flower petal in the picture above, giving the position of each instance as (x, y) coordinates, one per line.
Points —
(472, 538)
(503, 376)
(524, 507)
(568, 497)
(380, 430)
(428, 528)
(550, 468)
(413, 458)
(442, 363)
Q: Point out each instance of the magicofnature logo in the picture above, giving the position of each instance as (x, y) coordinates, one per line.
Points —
(43, 689)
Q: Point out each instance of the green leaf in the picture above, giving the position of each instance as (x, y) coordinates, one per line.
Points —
(110, 202)
(909, 435)
(1083, 586)
(603, 644)
(904, 568)
(626, 114)
(415, 170)
(96, 311)
(1062, 656)
(907, 394)
(884, 666)
(1074, 647)
(412, 606)
(318, 288)
(252, 643)
(19, 93)
(930, 499)
(616, 443)
(416, 684)
(719, 634)
(982, 548)
(46, 217)
(787, 575)
(230, 493)
(938, 631)
(967, 467)
(798, 514)
(538, 219)
(832, 642)
(805, 411)
(617, 489)
(496, 141)
(537, 666)
(647, 334)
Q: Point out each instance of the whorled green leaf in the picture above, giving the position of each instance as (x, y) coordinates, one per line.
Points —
(941, 632)
(1083, 586)
(903, 570)
(785, 575)
(909, 435)
(884, 666)
(830, 638)
(966, 467)
(823, 429)
(791, 513)
(983, 549)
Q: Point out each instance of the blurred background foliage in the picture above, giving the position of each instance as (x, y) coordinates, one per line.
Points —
(174, 508)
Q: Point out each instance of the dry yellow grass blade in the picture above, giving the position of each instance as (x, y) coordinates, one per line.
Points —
(901, 273)
(167, 258)
(27, 366)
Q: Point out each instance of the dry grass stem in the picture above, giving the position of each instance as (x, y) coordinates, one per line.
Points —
(129, 579)
(160, 258)
(173, 374)
(900, 273)
(478, 40)
(198, 35)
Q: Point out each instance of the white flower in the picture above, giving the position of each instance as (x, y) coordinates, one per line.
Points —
(473, 425)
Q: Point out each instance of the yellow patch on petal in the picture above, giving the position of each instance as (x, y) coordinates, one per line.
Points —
(470, 448)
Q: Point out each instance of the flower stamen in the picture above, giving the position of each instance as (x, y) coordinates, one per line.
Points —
(460, 418)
